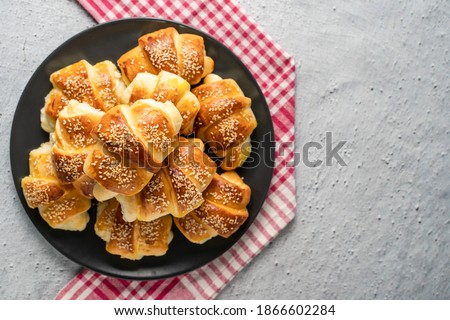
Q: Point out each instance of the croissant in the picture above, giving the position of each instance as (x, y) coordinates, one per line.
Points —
(112, 176)
(222, 213)
(100, 86)
(73, 142)
(61, 206)
(225, 120)
(175, 189)
(131, 240)
(141, 135)
(164, 87)
(166, 49)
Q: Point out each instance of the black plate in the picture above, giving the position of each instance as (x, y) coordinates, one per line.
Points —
(110, 41)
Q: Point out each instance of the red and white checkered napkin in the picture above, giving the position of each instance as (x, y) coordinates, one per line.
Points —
(275, 72)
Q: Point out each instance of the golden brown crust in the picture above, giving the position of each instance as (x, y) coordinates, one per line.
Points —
(194, 163)
(230, 132)
(192, 57)
(38, 191)
(233, 194)
(131, 240)
(221, 88)
(140, 135)
(133, 62)
(123, 237)
(190, 170)
(61, 206)
(223, 211)
(154, 236)
(41, 186)
(175, 189)
(157, 197)
(187, 194)
(165, 87)
(74, 82)
(115, 133)
(60, 214)
(167, 50)
(220, 108)
(225, 120)
(114, 175)
(100, 86)
(104, 82)
(159, 48)
(73, 141)
(155, 127)
(55, 102)
(68, 165)
(223, 220)
(225, 206)
(83, 82)
(194, 229)
(85, 186)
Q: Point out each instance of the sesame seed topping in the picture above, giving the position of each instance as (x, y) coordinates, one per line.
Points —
(226, 194)
(77, 132)
(156, 132)
(151, 231)
(190, 62)
(154, 195)
(118, 138)
(164, 93)
(188, 196)
(69, 168)
(191, 226)
(77, 86)
(39, 192)
(162, 54)
(59, 211)
(122, 234)
(110, 169)
(222, 223)
(227, 129)
(214, 90)
(196, 170)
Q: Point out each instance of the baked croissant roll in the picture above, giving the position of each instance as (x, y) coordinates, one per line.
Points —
(131, 240)
(222, 213)
(166, 49)
(225, 120)
(73, 142)
(164, 87)
(112, 177)
(141, 135)
(61, 206)
(100, 86)
(175, 189)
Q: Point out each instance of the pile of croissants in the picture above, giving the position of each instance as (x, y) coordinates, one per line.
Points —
(124, 138)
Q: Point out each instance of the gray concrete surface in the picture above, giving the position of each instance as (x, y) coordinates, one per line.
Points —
(375, 74)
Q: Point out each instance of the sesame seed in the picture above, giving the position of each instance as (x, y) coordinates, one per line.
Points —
(222, 222)
(191, 226)
(150, 231)
(188, 196)
(191, 61)
(110, 170)
(69, 167)
(156, 131)
(162, 54)
(39, 192)
(122, 234)
(155, 196)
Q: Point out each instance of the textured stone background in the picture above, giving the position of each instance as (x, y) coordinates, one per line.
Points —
(375, 74)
